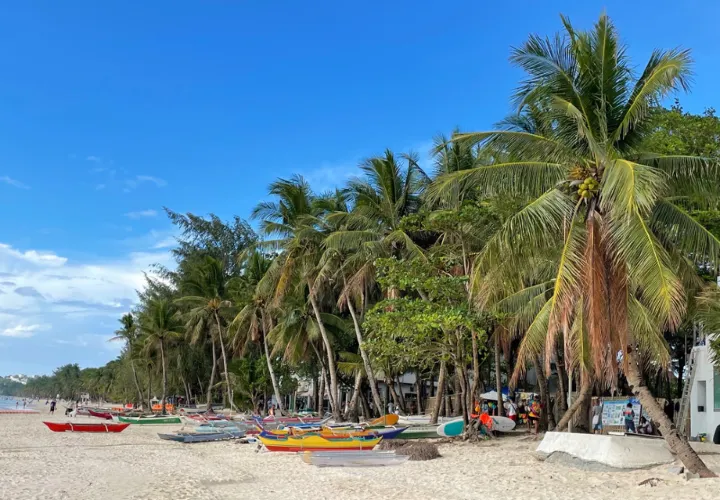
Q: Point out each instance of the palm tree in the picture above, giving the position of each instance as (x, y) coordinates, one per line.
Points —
(253, 321)
(624, 243)
(296, 218)
(161, 324)
(205, 290)
(130, 335)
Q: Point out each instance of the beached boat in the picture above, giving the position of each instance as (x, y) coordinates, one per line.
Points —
(314, 442)
(94, 427)
(354, 459)
(100, 414)
(158, 420)
(203, 437)
(419, 432)
(385, 432)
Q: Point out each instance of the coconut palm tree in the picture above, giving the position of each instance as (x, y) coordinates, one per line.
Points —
(253, 322)
(296, 218)
(205, 290)
(624, 244)
(160, 324)
(129, 334)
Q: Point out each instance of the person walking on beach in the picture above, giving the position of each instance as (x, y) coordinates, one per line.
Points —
(629, 415)
(597, 410)
(52, 407)
(534, 415)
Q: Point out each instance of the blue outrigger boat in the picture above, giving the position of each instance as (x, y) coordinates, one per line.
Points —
(203, 437)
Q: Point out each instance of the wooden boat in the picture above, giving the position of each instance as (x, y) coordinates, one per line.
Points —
(384, 432)
(288, 443)
(100, 414)
(94, 427)
(354, 459)
(420, 432)
(203, 437)
(150, 420)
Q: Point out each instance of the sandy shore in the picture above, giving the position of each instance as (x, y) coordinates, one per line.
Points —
(38, 464)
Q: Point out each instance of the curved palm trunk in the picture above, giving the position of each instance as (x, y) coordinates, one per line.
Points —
(224, 358)
(212, 373)
(585, 393)
(498, 377)
(548, 417)
(135, 378)
(439, 395)
(351, 415)
(365, 358)
(330, 357)
(476, 371)
(677, 443)
(164, 375)
(276, 388)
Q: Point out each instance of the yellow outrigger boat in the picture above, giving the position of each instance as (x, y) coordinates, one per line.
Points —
(316, 442)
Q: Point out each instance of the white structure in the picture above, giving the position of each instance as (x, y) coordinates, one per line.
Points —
(704, 395)
(615, 451)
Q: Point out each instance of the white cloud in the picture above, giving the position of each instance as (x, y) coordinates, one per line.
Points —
(13, 182)
(166, 243)
(32, 256)
(141, 213)
(139, 179)
(95, 159)
(99, 187)
(21, 331)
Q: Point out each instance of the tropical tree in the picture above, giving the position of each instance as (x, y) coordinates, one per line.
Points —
(625, 244)
(130, 335)
(160, 324)
(296, 219)
(205, 290)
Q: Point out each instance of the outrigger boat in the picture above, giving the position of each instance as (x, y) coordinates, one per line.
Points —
(95, 427)
(385, 432)
(202, 437)
(150, 420)
(354, 459)
(314, 442)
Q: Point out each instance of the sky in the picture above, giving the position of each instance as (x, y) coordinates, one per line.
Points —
(113, 110)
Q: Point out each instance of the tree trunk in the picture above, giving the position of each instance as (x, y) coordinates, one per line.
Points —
(321, 392)
(135, 378)
(677, 443)
(276, 388)
(585, 393)
(391, 389)
(498, 377)
(351, 415)
(548, 417)
(330, 356)
(164, 376)
(403, 404)
(367, 414)
(212, 373)
(224, 359)
(561, 399)
(149, 389)
(439, 395)
(363, 354)
(418, 394)
(476, 370)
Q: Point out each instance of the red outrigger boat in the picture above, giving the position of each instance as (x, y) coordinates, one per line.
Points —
(99, 427)
(100, 414)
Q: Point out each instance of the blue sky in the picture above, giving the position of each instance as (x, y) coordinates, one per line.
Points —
(112, 110)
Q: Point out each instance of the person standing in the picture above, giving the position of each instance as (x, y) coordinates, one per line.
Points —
(629, 415)
(534, 415)
(52, 407)
(597, 409)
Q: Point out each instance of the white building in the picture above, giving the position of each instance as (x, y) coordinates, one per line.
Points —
(704, 395)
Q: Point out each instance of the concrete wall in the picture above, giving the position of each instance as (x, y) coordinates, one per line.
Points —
(614, 451)
(703, 394)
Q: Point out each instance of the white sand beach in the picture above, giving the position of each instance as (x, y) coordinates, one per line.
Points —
(38, 464)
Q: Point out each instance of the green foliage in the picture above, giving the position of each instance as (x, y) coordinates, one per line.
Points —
(677, 132)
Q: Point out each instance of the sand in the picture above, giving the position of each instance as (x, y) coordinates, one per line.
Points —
(38, 464)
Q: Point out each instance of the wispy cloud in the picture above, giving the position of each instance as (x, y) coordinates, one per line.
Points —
(99, 187)
(141, 213)
(21, 331)
(13, 182)
(165, 243)
(149, 178)
(96, 159)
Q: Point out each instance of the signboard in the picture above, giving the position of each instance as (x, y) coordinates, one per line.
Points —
(612, 414)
